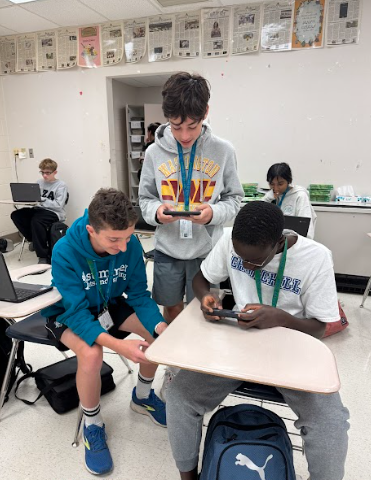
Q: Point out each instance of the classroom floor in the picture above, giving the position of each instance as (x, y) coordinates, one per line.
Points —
(35, 442)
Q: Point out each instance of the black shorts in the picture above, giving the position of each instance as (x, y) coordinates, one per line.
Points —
(118, 309)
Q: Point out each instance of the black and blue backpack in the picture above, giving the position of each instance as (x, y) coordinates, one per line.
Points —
(247, 442)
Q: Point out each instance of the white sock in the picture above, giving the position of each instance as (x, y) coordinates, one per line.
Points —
(143, 386)
(92, 416)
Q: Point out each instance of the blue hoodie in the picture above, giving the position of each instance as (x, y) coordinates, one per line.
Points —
(73, 278)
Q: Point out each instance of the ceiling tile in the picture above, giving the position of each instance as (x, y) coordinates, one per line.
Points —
(65, 13)
(22, 21)
(238, 2)
(6, 31)
(5, 3)
(123, 9)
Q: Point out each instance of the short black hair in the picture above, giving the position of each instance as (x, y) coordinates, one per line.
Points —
(152, 127)
(185, 95)
(258, 223)
(279, 170)
(111, 208)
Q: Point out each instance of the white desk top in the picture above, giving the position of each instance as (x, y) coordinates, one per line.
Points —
(276, 356)
(17, 310)
(11, 202)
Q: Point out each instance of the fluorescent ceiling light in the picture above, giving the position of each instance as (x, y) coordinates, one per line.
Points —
(22, 1)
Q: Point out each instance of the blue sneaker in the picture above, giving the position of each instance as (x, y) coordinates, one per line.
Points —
(98, 459)
(151, 406)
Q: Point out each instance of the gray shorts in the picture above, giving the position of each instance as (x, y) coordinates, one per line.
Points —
(172, 279)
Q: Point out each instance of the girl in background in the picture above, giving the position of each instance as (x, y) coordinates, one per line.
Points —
(292, 199)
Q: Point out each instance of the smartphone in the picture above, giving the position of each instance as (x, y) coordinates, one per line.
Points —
(224, 313)
(175, 213)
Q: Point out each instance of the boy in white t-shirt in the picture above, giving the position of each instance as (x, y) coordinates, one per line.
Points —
(254, 255)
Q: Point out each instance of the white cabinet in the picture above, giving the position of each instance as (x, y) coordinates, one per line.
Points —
(135, 133)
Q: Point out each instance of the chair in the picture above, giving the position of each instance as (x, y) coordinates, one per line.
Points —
(143, 228)
(32, 329)
(24, 238)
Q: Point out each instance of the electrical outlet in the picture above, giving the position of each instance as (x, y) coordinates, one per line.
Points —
(30, 152)
(20, 152)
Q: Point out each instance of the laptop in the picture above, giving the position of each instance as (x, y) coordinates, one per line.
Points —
(17, 292)
(300, 225)
(25, 192)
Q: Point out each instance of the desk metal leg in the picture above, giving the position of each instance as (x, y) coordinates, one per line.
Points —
(367, 291)
(6, 380)
(75, 442)
(22, 247)
(130, 370)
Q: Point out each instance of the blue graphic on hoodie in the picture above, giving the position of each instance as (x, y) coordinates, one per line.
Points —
(73, 278)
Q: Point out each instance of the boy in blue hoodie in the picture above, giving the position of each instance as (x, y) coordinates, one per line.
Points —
(97, 262)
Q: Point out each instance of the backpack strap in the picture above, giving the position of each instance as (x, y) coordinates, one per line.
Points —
(46, 389)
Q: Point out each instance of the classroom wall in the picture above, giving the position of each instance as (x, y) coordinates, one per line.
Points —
(6, 224)
(311, 109)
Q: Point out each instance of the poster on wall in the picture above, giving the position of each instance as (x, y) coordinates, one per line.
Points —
(215, 32)
(46, 50)
(308, 26)
(187, 35)
(343, 22)
(26, 53)
(135, 39)
(66, 48)
(112, 43)
(277, 26)
(89, 47)
(7, 55)
(247, 22)
(160, 38)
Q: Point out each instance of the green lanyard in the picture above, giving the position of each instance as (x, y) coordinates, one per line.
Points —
(106, 297)
(279, 278)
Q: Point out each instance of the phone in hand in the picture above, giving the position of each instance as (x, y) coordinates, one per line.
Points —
(175, 213)
(224, 313)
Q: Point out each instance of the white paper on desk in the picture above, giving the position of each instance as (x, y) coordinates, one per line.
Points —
(346, 191)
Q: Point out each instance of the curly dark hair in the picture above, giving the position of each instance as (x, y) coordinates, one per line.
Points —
(279, 170)
(185, 95)
(258, 223)
(111, 208)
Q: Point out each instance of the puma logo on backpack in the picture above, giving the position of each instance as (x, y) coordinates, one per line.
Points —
(246, 462)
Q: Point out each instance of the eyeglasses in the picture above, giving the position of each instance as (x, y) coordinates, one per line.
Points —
(258, 265)
(45, 173)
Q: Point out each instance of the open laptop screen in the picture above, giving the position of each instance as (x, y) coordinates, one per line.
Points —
(25, 192)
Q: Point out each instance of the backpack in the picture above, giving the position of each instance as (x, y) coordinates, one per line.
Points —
(247, 442)
(57, 231)
(5, 349)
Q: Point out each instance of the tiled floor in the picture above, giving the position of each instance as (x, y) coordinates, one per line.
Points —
(35, 442)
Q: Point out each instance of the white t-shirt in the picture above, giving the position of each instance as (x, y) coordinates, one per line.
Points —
(308, 288)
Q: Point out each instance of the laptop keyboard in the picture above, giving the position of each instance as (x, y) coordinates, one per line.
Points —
(22, 293)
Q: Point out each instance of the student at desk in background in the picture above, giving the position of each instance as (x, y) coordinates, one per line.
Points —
(33, 223)
(253, 255)
(293, 200)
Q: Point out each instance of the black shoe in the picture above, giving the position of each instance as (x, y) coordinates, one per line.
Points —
(31, 247)
(43, 261)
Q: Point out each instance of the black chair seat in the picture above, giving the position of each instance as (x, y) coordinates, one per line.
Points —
(31, 329)
(259, 392)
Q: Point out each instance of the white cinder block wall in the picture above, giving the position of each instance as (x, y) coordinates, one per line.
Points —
(311, 109)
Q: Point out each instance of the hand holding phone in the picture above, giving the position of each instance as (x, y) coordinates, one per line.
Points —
(224, 313)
